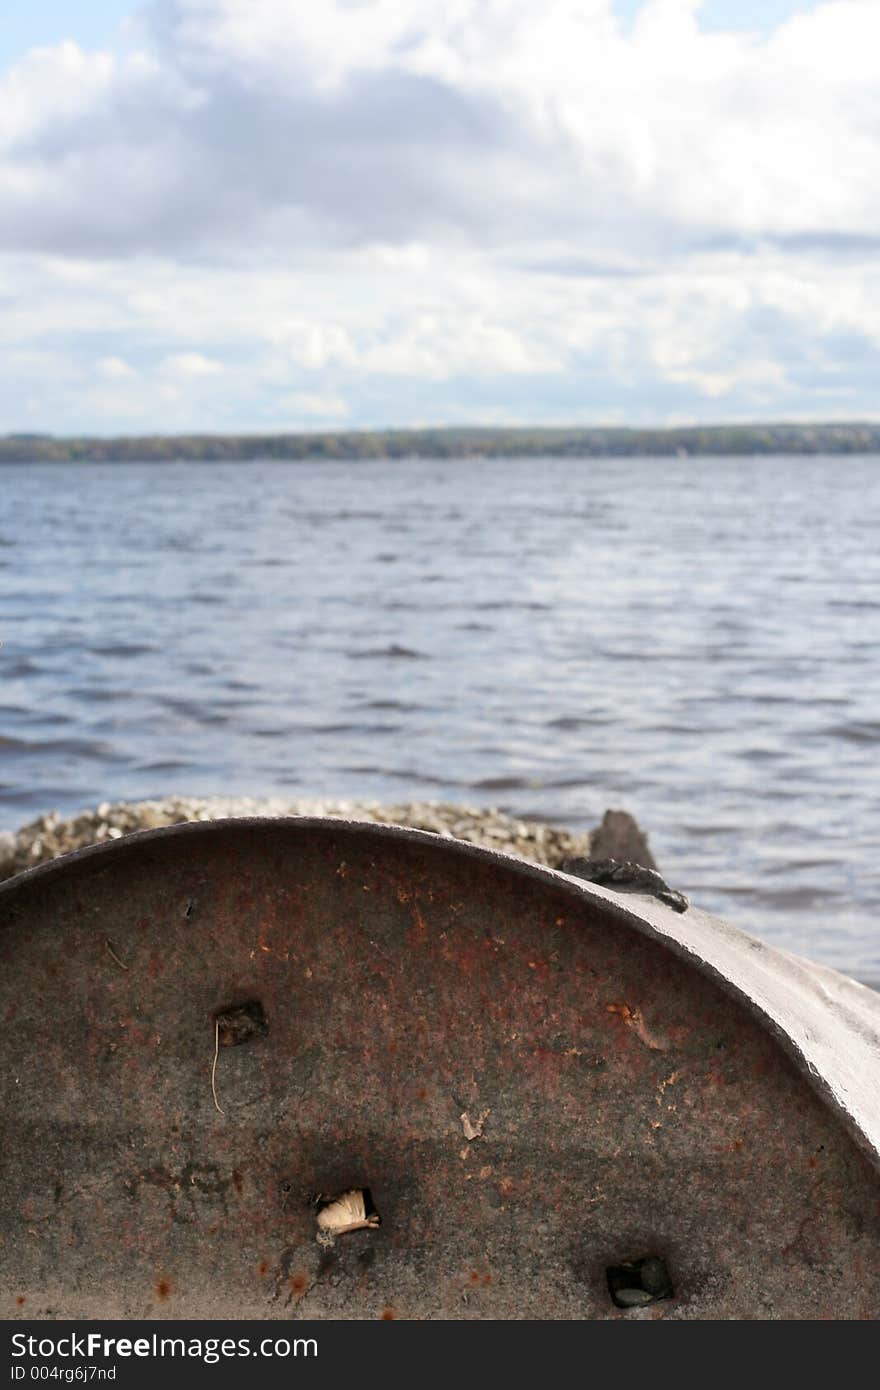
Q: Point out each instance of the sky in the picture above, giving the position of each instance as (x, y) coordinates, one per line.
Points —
(264, 215)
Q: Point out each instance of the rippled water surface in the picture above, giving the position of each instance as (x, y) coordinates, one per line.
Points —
(693, 640)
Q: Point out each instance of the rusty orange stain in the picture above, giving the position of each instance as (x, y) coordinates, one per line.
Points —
(419, 930)
(634, 1020)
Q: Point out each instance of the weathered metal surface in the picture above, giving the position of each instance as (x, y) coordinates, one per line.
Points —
(561, 1103)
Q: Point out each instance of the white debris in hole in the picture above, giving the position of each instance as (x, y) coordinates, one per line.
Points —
(473, 1129)
(345, 1213)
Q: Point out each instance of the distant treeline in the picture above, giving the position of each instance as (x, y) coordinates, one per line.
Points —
(451, 443)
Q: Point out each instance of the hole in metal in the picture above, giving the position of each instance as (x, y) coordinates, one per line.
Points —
(636, 1283)
(241, 1022)
(353, 1210)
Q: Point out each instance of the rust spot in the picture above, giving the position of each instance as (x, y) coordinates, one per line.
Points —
(237, 1181)
(264, 1269)
(388, 1315)
(163, 1289)
(298, 1284)
(487, 1279)
(475, 1276)
(21, 1300)
(634, 1020)
(419, 931)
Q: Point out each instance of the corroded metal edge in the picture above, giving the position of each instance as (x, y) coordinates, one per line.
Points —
(828, 1024)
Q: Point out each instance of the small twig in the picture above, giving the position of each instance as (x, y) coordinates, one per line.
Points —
(113, 955)
(214, 1066)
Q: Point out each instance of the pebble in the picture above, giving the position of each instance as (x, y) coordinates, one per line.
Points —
(653, 1275)
(49, 836)
(633, 1298)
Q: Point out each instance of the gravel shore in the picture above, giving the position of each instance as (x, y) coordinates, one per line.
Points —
(50, 836)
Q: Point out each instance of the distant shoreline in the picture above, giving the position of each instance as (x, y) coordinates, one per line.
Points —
(451, 442)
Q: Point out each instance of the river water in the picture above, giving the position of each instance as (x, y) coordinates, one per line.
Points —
(693, 640)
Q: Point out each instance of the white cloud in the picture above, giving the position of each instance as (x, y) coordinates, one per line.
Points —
(312, 407)
(189, 364)
(508, 207)
(49, 87)
(115, 369)
(474, 119)
(251, 346)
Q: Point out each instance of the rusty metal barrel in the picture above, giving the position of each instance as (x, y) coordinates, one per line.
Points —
(305, 1068)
